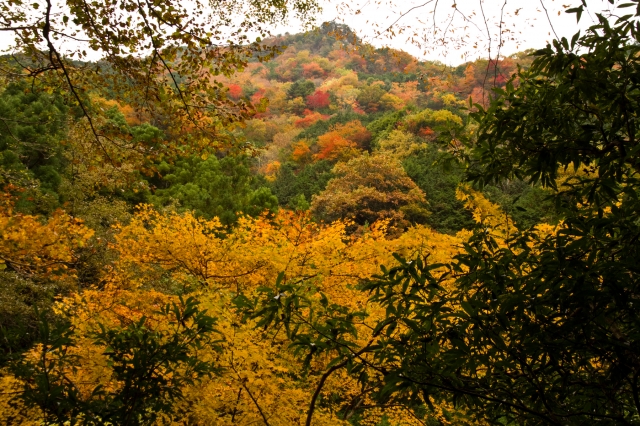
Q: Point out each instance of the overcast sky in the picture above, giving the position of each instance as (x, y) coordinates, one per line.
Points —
(451, 31)
(455, 31)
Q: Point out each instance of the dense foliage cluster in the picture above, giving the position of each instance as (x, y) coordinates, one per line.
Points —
(335, 235)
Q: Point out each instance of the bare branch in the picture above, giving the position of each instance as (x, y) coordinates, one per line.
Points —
(495, 71)
(549, 19)
(405, 14)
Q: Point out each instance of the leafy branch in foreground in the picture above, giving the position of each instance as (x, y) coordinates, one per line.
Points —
(151, 367)
(161, 58)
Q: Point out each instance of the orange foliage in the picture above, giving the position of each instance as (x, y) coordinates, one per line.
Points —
(427, 132)
(408, 92)
(271, 170)
(333, 146)
(355, 132)
(313, 70)
(478, 96)
(358, 62)
(301, 152)
(343, 141)
(310, 118)
(132, 117)
(339, 56)
(235, 91)
(356, 108)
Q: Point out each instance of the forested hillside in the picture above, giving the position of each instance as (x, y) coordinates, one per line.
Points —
(310, 230)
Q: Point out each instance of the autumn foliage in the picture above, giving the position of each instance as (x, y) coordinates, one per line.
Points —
(318, 100)
(235, 91)
(200, 256)
(43, 248)
(310, 118)
(368, 189)
(152, 250)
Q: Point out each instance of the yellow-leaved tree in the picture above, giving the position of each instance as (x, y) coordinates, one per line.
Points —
(254, 374)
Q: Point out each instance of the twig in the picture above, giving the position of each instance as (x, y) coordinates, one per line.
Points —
(495, 69)
(405, 14)
(549, 19)
(325, 376)
(486, 73)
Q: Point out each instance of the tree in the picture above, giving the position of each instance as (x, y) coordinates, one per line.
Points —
(343, 141)
(318, 100)
(38, 261)
(355, 132)
(427, 168)
(310, 180)
(109, 373)
(32, 126)
(313, 70)
(367, 189)
(527, 326)
(213, 187)
(369, 97)
(235, 91)
(399, 144)
(301, 89)
(310, 118)
(151, 365)
(333, 146)
(442, 125)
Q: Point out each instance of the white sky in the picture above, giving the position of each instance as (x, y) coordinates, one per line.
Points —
(456, 34)
(524, 24)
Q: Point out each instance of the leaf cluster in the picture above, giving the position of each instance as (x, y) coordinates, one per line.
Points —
(151, 365)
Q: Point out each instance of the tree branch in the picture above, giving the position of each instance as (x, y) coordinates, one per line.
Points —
(405, 14)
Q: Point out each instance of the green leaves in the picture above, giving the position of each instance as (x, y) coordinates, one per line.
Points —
(224, 188)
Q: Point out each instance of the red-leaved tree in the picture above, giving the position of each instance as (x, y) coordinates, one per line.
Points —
(319, 99)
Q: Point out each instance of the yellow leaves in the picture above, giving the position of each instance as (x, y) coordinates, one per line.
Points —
(259, 374)
(399, 144)
(13, 412)
(446, 116)
(32, 245)
(153, 245)
(485, 212)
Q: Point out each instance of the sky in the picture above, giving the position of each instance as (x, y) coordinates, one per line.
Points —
(456, 31)
(449, 31)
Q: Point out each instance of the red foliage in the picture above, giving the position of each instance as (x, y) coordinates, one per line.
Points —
(427, 132)
(235, 91)
(318, 100)
(356, 108)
